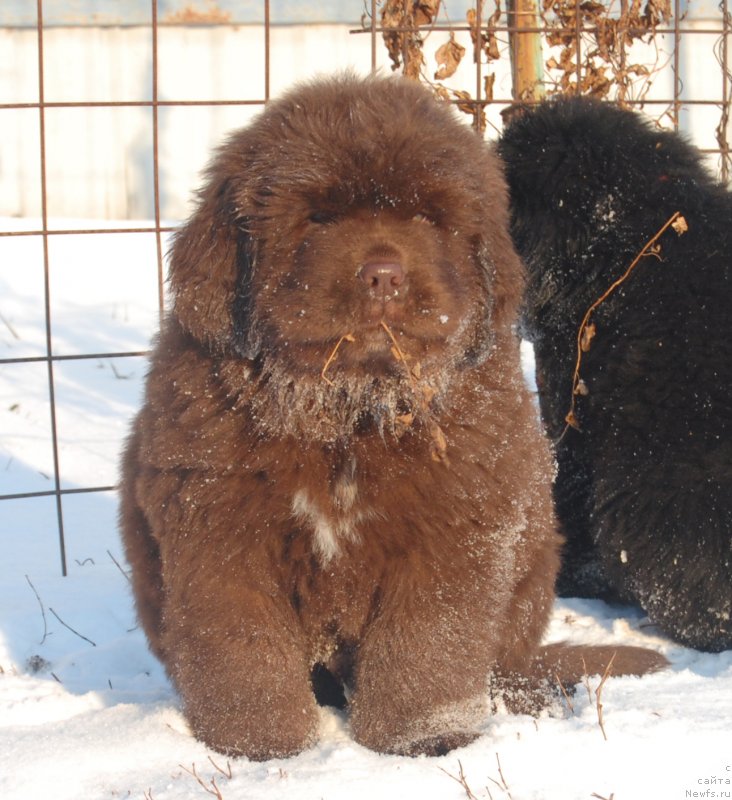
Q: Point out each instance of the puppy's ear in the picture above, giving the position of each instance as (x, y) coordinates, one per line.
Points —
(210, 270)
(501, 279)
(506, 276)
(501, 271)
(246, 339)
(507, 270)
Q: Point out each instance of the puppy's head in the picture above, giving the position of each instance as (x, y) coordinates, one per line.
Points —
(350, 207)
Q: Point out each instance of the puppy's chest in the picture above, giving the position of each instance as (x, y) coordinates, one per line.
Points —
(364, 509)
(332, 503)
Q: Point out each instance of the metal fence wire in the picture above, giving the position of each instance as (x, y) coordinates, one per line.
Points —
(667, 58)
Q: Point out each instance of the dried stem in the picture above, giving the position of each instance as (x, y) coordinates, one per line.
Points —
(213, 789)
(564, 692)
(348, 337)
(586, 330)
(502, 784)
(598, 695)
(43, 611)
(225, 772)
(117, 374)
(461, 779)
(423, 396)
(586, 680)
(423, 393)
(68, 627)
(118, 565)
(7, 324)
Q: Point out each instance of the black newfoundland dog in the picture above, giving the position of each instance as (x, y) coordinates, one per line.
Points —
(644, 488)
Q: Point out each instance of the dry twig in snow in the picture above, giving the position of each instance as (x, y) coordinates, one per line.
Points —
(43, 611)
(564, 692)
(213, 789)
(225, 772)
(118, 565)
(461, 779)
(68, 627)
(502, 784)
(598, 695)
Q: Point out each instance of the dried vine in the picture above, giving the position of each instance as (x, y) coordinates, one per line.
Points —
(406, 25)
(587, 330)
(593, 46)
(587, 42)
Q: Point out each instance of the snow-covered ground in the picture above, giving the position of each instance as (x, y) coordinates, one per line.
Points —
(87, 713)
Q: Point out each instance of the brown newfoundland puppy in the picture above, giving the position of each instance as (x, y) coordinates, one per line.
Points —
(337, 475)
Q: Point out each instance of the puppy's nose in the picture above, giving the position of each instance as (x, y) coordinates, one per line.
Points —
(382, 277)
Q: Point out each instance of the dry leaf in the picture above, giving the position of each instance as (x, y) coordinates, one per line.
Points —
(488, 84)
(680, 225)
(491, 49)
(591, 9)
(657, 11)
(403, 424)
(487, 42)
(448, 56)
(465, 101)
(571, 420)
(439, 444)
(428, 394)
(595, 37)
(442, 92)
(472, 20)
(401, 37)
(581, 388)
(588, 334)
(414, 60)
(425, 11)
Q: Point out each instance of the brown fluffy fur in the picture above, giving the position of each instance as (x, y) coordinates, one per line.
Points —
(275, 520)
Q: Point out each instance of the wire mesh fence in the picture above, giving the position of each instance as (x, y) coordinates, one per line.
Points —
(668, 58)
(85, 159)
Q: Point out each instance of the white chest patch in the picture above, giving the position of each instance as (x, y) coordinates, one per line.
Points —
(328, 529)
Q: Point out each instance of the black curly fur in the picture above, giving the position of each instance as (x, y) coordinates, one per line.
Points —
(644, 488)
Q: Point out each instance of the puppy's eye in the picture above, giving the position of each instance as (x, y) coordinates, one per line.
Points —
(423, 216)
(322, 217)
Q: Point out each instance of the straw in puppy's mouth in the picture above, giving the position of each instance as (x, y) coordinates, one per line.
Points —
(423, 394)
